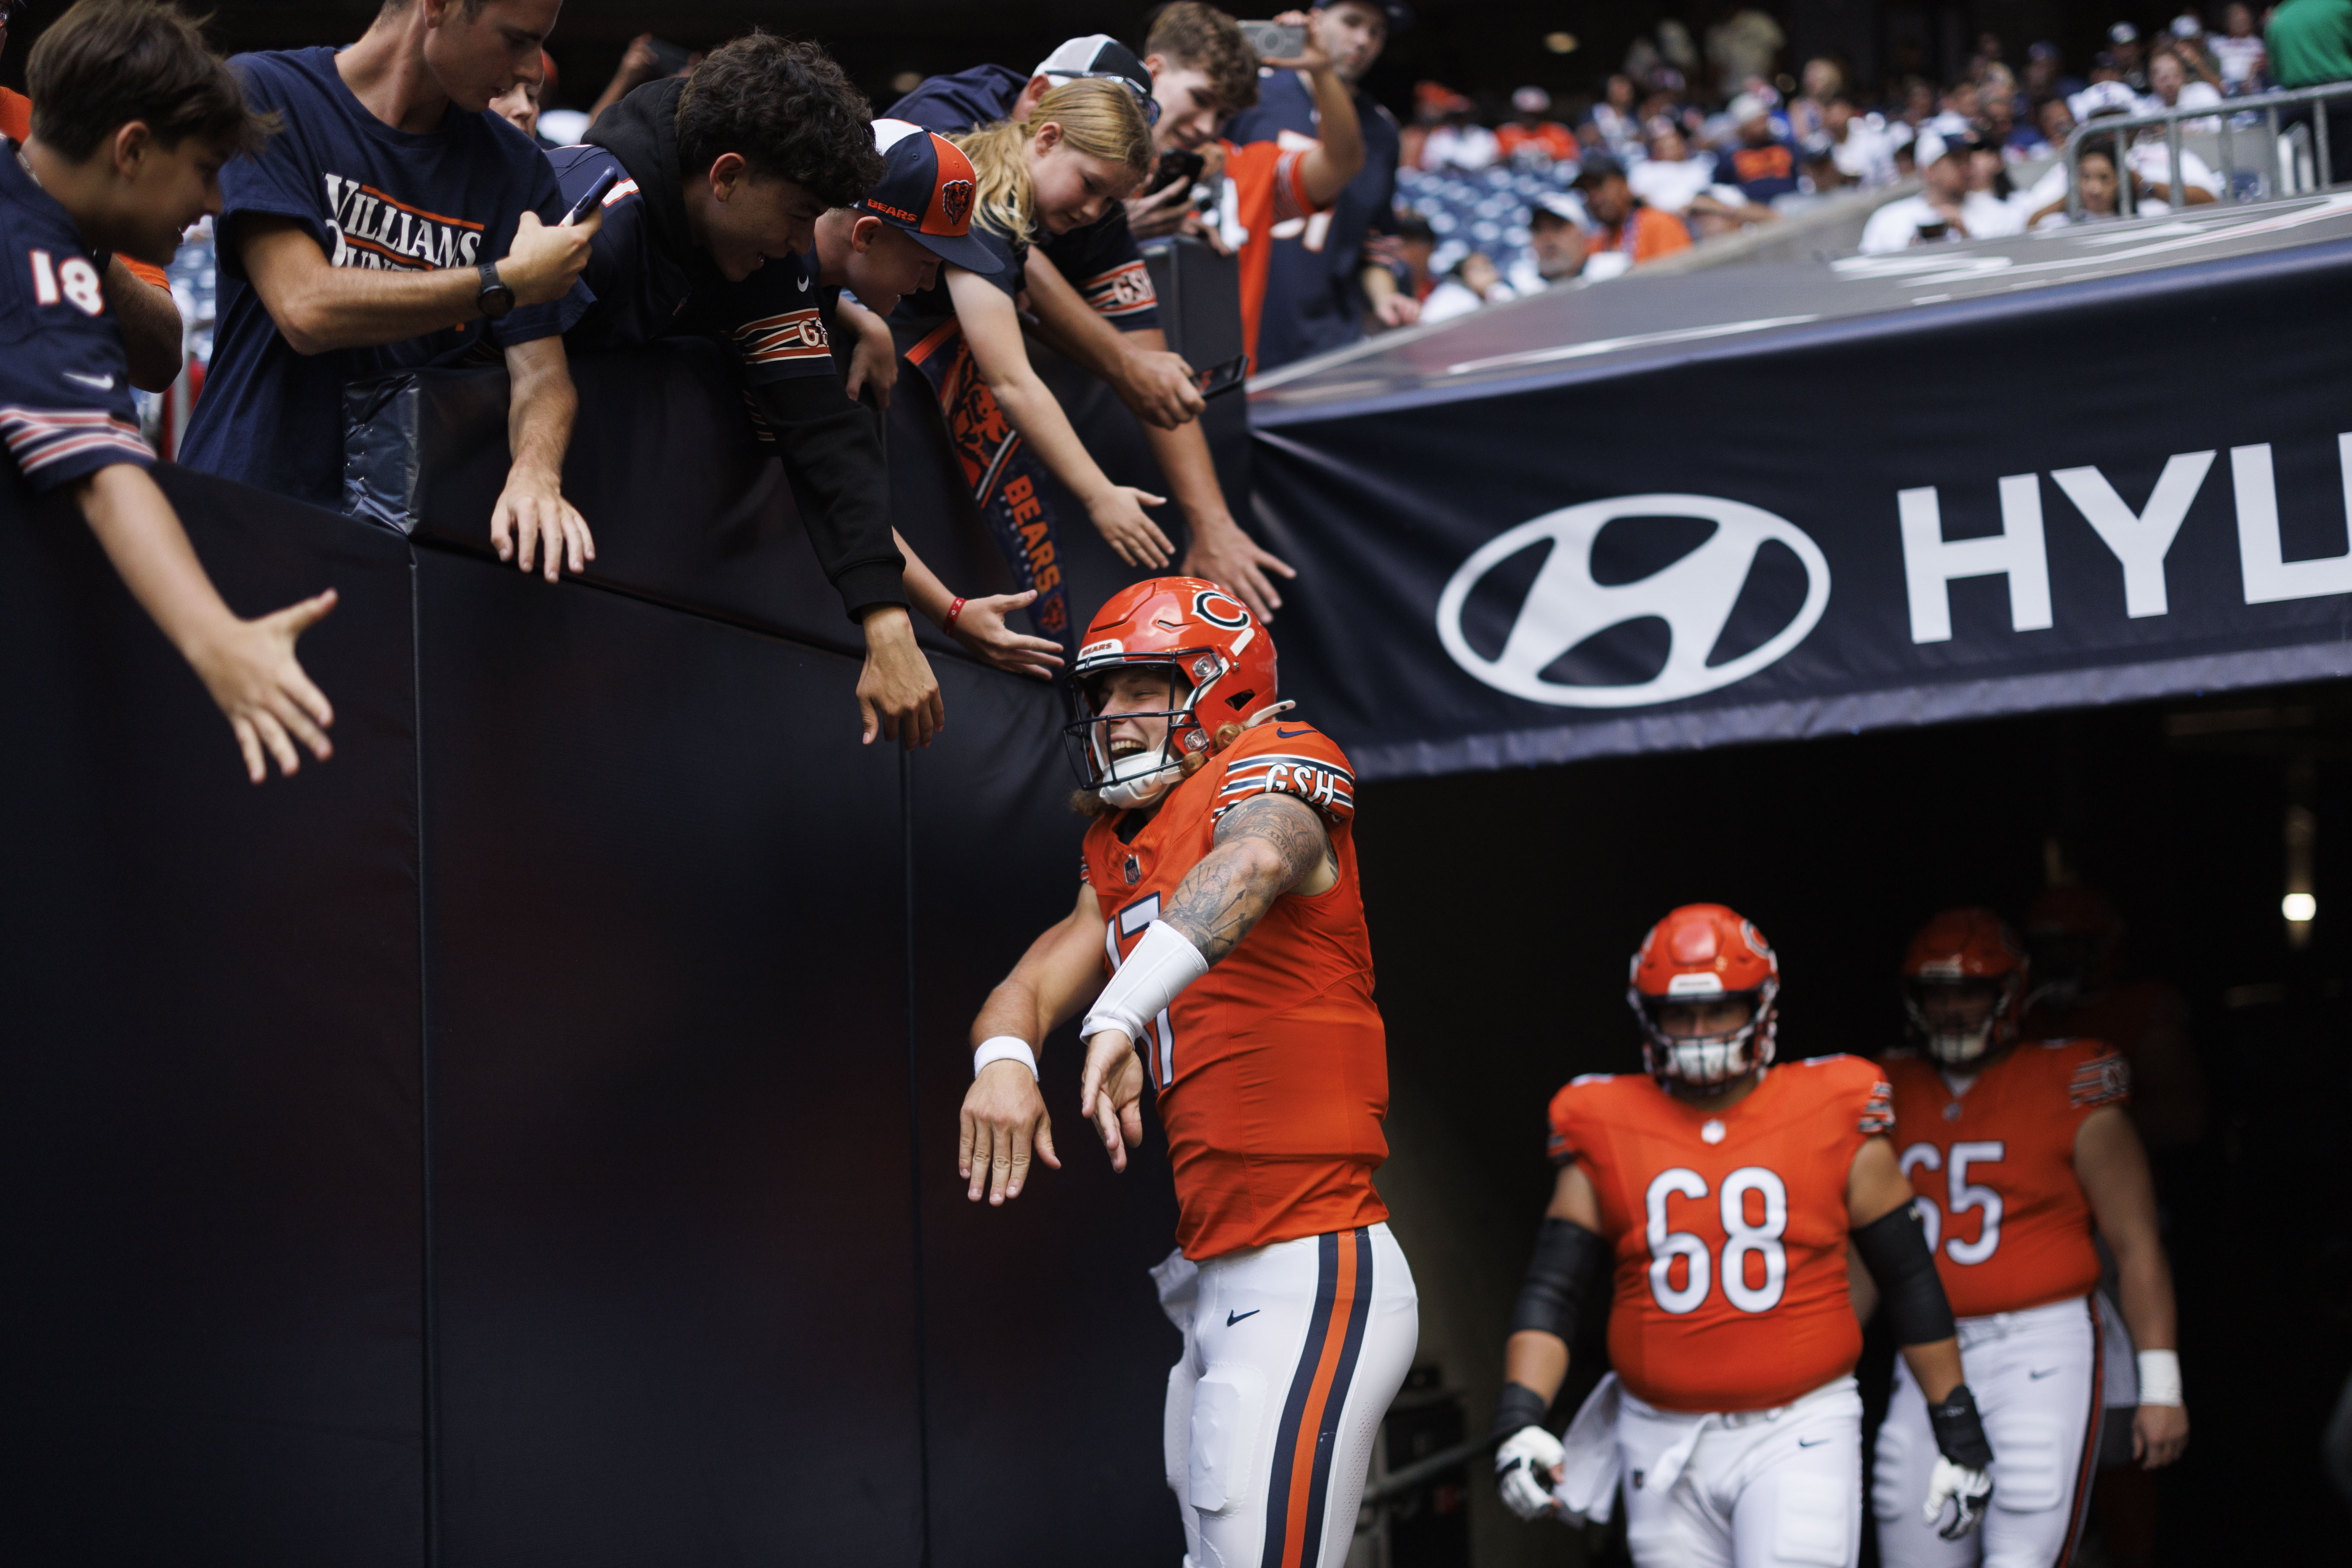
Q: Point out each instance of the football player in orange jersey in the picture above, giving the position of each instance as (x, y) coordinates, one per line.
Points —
(2016, 1151)
(1722, 1194)
(1219, 928)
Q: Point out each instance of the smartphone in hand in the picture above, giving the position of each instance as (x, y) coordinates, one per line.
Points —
(1275, 40)
(592, 198)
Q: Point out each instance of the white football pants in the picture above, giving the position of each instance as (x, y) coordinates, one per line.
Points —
(1291, 1355)
(1753, 1489)
(2035, 1375)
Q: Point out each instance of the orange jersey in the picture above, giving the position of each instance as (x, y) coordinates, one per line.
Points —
(1272, 1069)
(1729, 1228)
(1995, 1167)
(1266, 191)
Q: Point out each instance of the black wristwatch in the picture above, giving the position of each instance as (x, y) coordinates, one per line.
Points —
(495, 298)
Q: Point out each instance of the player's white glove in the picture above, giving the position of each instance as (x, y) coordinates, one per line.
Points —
(1959, 1493)
(1959, 1488)
(1523, 1466)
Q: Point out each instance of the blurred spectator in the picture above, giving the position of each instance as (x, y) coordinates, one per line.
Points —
(645, 59)
(1555, 245)
(1313, 298)
(1946, 209)
(1532, 139)
(2045, 75)
(2128, 56)
(1472, 282)
(2238, 51)
(1408, 254)
(1758, 162)
(2310, 45)
(1809, 111)
(1957, 114)
(1742, 48)
(1453, 140)
(518, 105)
(1625, 234)
(1616, 118)
(2148, 163)
(2109, 97)
(1672, 176)
(2098, 181)
(1863, 151)
(2170, 87)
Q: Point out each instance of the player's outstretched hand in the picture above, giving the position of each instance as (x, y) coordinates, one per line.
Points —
(898, 695)
(2159, 1435)
(252, 673)
(533, 524)
(981, 627)
(1119, 514)
(1004, 1119)
(1110, 1094)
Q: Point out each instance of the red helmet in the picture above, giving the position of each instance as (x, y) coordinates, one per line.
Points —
(1220, 665)
(1705, 952)
(1970, 948)
(2074, 934)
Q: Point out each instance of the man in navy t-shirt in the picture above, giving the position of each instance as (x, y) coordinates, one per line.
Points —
(1756, 160)
(1313, 298)
(134, 119)
(711, 231)
(391, 225)
(1091, 292)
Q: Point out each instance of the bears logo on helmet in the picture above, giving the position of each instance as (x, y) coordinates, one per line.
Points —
(1706, 953)
(1960, 959)
(1697, 954)
(1220, 667)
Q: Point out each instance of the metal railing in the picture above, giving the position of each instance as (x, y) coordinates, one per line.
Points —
(2280, 171)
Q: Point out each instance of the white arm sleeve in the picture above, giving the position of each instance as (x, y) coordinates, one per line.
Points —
(1162, 965)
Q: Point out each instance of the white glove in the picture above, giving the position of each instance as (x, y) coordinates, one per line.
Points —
(1969, 1493)
(1524, 1465)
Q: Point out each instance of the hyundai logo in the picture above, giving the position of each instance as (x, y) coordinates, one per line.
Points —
(1695, 597)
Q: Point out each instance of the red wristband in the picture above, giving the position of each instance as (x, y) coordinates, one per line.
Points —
(953, 611)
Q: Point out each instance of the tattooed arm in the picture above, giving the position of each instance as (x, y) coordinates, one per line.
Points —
(1268, 846)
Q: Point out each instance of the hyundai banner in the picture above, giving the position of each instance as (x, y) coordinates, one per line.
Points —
(2066, 495)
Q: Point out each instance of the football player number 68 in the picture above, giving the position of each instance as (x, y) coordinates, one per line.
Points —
(1740, 1238)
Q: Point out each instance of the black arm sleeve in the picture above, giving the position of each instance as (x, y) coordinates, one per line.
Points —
(833, 459)
(1895, 1251)
(1567, 1260)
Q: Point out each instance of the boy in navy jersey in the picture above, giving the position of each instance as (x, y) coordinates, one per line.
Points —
(133, 119)
(392, 223)
(712, 231)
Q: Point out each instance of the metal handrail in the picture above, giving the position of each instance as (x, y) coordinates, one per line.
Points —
(2267, 104)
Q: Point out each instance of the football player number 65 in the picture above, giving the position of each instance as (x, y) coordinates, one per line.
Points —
(1963, 1196)
(1740, 1238)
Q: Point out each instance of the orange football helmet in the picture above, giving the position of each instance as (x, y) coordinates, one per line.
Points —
(1705, 952)
(1220, 667)
(1960, 952)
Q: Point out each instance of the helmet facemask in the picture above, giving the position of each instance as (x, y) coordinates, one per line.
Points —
(1961, 1021)
(1125, 778)
(1712, 1060)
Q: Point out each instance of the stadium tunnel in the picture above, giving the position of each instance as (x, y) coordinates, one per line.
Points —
(525, 1139)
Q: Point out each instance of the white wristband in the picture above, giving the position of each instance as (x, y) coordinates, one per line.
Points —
(1162, 965)
(1005, 1048)
(2159, 1377)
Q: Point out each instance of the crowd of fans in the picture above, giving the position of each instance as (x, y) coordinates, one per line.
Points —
(1700, 137)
